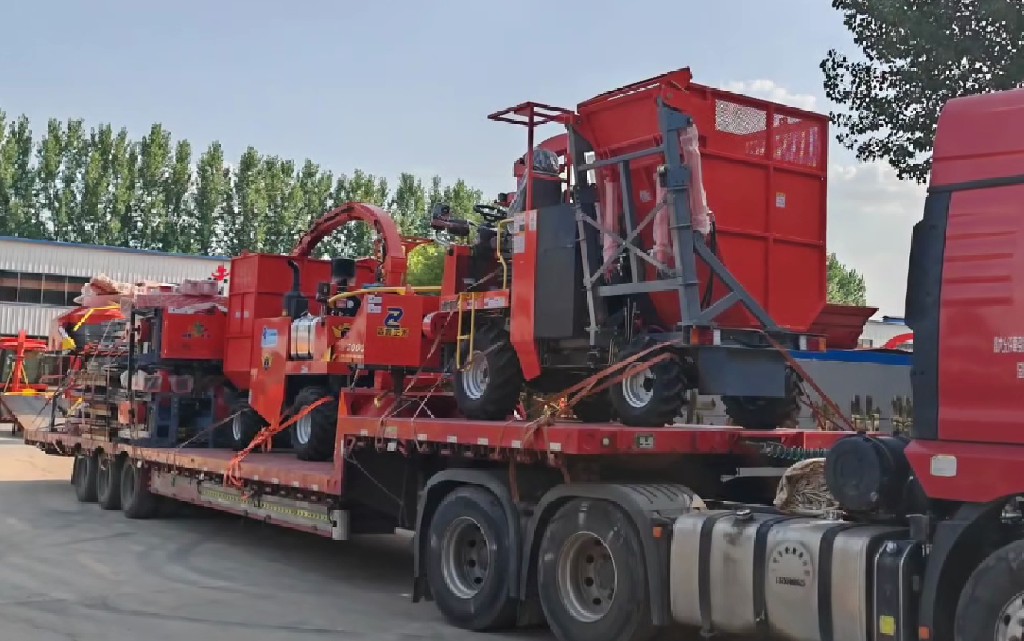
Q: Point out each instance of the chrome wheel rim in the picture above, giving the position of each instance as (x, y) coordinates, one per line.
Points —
(638, 389)
(1010, 624)
(236, 427)
(304, 429)
(465, 557)
(587, 577)
(475, 375)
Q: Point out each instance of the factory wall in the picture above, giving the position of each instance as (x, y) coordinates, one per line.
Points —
(40, 279)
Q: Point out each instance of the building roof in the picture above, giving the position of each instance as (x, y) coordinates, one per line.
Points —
(109, 248)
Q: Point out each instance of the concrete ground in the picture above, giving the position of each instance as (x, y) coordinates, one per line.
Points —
(70, 571)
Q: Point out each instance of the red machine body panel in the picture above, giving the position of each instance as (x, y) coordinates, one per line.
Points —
(394, 334)
(267, 393)
(258, 285)
(524, 264)
(764, 173)
(193, 336)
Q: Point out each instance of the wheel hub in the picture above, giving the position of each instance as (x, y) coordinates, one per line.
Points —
(586, 577)
(1010, 625)
(466, 557)
(638, 389)
(475, 375)
(304, 429)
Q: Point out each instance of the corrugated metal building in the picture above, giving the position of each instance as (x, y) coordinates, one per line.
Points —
(40, 279)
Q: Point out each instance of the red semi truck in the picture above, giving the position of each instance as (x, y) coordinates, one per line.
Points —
(608, 532)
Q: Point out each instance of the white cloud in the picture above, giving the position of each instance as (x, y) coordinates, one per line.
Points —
(870, 212)
(768, 90)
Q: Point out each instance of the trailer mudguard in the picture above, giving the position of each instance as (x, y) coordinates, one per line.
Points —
(956, 551)
(648, 505)
(436, 488)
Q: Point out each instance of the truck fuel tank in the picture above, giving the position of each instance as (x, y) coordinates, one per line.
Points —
(750, 572)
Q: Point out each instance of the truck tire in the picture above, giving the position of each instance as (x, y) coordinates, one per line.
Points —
(488, 386)
(245, 425)
(85, 478)
(313, 435)
(653, 397)
(590, 575)
(108, 481)
(468, 561)
(765, 412)
(991, 605)
(136, 499)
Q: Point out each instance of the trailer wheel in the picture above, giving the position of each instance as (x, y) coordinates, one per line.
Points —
(245, 425)
(108, 481)
(991, 604)
(313, 435)
(84, 475)
(488, 385)
(765, 412)
(652, 397)
(468, 561)
(590, 575)
(136, 499)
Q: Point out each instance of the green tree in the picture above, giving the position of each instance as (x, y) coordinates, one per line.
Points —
(917, 55)
(152, 209)
(17, 180)
(249, 228)
(93, 217)
(49, 158)
(124, 167)
(178, 219)
(213, 181)
(845, 285)
(67, 225)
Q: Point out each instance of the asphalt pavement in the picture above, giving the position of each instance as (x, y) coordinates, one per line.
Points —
(71, 571)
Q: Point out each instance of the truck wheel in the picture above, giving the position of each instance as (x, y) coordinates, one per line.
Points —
(136, 499)
(85, 478)
(244, 426)
(468, 561)
(108, 481)
(590, 575)
(991, 604)
(313, 434)
(653, 397)
(487, 387)
(765, 412)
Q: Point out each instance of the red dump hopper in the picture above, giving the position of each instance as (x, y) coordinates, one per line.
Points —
(764, 171)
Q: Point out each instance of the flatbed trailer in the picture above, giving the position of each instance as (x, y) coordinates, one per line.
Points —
(403, 473)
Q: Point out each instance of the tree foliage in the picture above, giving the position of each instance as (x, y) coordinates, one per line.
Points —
(917, 55)
(99, 186)
(845, 285)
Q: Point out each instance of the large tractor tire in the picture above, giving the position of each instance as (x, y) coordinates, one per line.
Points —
(313, 435)
(594, 408)
(653, 397)
(245, 425)
(766, 412)
(488, 385)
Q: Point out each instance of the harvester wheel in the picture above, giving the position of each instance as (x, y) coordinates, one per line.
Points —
(108, 481)
(84, 476)
(765, 412)
(488, 385)
(653, 397)
(313, 434)
(244, 426)
(595, 408)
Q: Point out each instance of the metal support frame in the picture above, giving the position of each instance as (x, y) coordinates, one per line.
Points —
(688, 243)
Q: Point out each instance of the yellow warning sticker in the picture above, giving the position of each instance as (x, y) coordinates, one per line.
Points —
(887, 625)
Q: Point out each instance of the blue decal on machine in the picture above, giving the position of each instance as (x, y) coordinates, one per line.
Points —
(269, 337)
(394, 317)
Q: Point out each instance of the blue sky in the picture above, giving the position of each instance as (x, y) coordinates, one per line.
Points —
(405, 86)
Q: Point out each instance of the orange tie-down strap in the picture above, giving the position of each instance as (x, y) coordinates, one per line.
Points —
(263, 439)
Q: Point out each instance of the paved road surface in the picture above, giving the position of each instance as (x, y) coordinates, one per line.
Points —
(72, 572)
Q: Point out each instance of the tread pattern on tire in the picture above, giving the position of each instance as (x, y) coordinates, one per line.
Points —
(669, 384)
(492, 608)
(137, 501)
(252, 423)
(505, 376)
(108, 492)
(85, 478)
(765, 412)
(324, 419)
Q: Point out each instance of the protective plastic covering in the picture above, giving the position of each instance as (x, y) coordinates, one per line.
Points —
(544, 162)
(610, 216)
(700, 214)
